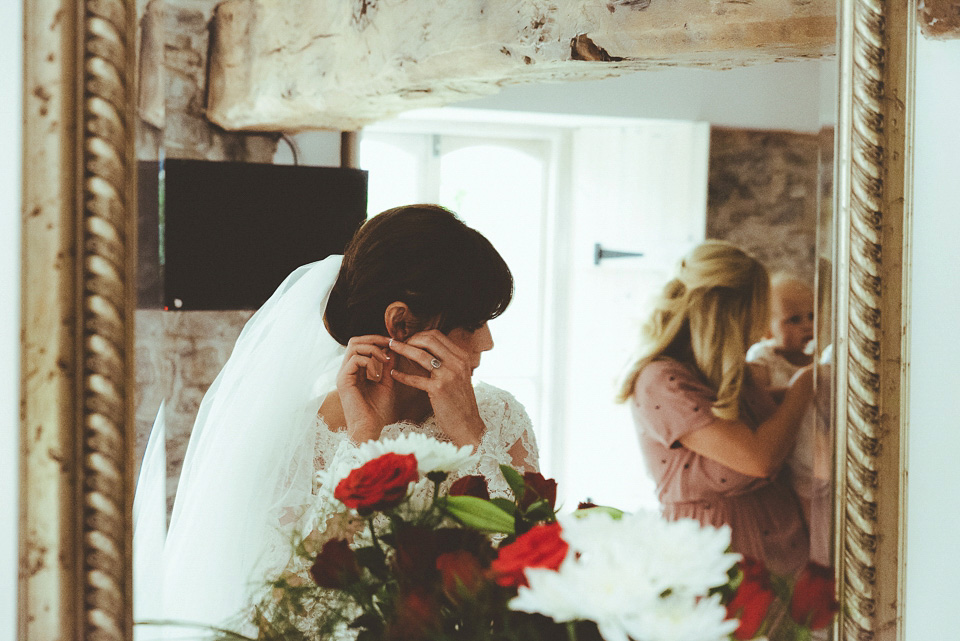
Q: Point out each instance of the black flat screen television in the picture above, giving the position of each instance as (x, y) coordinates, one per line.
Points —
(230, 232)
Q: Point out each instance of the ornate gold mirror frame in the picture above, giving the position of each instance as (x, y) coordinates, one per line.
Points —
(78, 285)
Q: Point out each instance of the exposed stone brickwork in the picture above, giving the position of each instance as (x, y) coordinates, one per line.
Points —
(763, 188)
(174, 41)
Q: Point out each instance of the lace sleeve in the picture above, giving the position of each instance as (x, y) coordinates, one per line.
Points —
(326, 444)
(507, 440)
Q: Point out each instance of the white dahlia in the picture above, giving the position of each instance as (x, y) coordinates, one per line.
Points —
(638, 577)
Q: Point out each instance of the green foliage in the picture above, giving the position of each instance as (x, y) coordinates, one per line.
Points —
(478, 514)
(514, 480)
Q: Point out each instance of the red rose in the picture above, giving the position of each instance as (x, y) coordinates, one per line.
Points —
(460, 574)
(379, 484)
(473, 485)
(812, 602)
(416, 617)
(417, 549)
(336, 566)
(541, 547)
(537, 488)
(752, 600)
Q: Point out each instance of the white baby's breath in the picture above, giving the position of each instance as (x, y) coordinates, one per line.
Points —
(639, 577)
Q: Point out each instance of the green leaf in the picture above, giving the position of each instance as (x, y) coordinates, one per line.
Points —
(372, 559)
(478, 514)
(803, 634)
(366, 620)
(781, 587)
(506, 505)
(514, 480)
(540, 512)
(612, 511)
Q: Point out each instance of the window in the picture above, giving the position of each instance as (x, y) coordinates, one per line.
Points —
(546, 196)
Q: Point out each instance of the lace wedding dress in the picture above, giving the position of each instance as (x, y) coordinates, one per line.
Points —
(252, 462)
(507, 440)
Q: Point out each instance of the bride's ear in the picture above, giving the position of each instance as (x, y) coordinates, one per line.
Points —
(399, 321)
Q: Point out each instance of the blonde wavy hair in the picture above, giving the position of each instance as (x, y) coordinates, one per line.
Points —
(707, 316)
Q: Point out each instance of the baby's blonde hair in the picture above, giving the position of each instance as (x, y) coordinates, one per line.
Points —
(706, 317)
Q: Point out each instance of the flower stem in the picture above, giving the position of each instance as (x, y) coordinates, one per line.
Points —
(572, 630)
(373, 537)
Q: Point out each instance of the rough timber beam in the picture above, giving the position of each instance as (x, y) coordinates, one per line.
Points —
(339, 64)
(939, 19)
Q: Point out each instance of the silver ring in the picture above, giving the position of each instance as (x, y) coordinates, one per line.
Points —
(435, 363)
(390, 344)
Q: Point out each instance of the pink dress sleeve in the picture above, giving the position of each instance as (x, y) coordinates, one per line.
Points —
(672, 402)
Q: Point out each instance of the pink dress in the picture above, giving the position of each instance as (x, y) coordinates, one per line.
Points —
(669, 401)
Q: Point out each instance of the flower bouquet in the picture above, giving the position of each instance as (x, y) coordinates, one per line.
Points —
(398, 552)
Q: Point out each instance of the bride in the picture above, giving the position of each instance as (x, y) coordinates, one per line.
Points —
(380, 343)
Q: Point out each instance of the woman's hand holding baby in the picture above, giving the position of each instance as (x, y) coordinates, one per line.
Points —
(800, 388)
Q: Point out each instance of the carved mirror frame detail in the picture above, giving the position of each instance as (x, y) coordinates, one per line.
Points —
(872, 222)
(78, 283)
(79, 234)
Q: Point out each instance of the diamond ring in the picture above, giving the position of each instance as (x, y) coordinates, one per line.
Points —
(435, 363)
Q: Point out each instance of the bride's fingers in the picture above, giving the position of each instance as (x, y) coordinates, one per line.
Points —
(419, 356)
(438, 344)
(373, 368)
(376, 347)
(375, 371)
(411, 380)
(373, 339)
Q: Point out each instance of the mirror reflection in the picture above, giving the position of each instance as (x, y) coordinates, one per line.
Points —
(592, 193)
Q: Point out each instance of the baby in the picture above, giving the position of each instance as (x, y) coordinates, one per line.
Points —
(775, 360)
(788, 349)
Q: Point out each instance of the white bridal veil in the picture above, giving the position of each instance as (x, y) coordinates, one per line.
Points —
(248, 466)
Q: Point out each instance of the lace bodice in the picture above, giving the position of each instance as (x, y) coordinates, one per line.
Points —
(508, 439)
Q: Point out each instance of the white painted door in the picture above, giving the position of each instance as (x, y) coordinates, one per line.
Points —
(573, 326)
(635, 189)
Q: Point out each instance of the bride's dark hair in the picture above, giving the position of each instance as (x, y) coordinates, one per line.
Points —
(426, 257)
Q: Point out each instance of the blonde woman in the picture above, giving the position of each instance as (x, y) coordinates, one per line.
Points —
(714, 441)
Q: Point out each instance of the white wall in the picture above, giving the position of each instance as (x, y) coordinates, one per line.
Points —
(933, 521)
(11, 95)
(785, 95)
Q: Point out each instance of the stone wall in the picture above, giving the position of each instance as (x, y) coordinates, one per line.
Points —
(174, 41)
(763, 195)
(180, 353)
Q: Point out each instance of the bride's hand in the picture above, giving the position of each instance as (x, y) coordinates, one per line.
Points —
(446, 380)
(366, 391)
